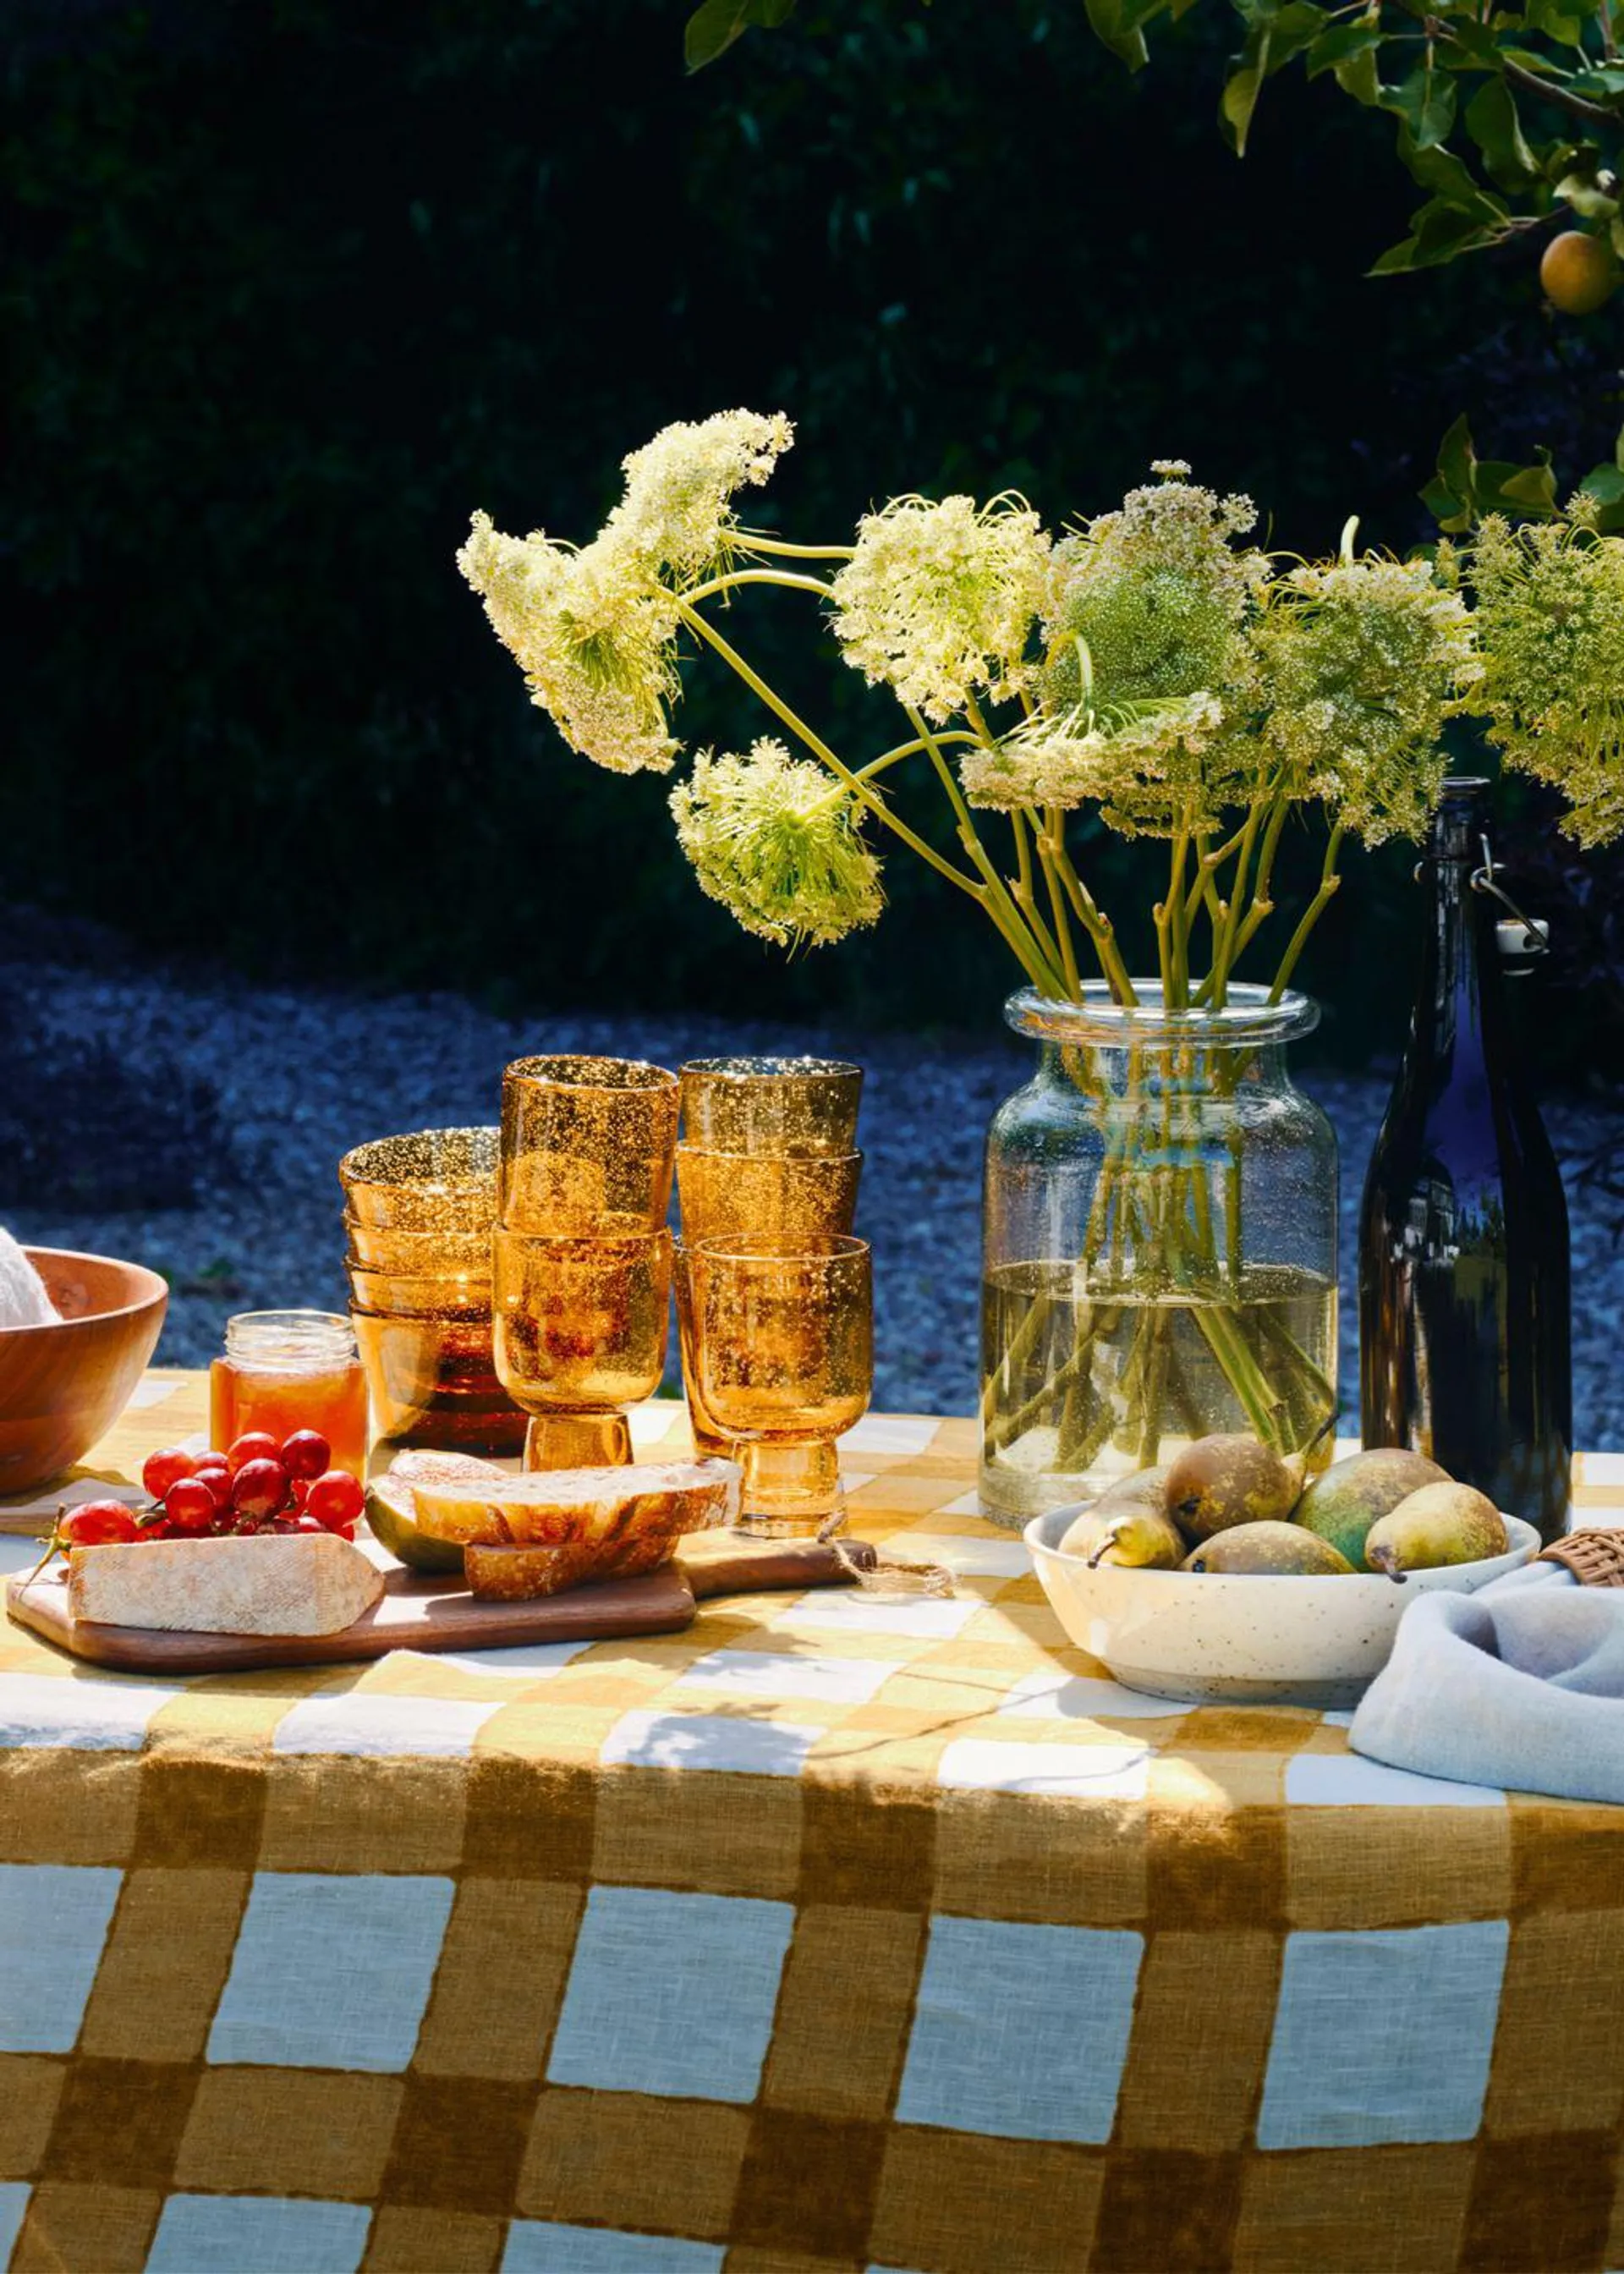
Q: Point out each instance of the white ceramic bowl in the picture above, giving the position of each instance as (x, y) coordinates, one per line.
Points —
(1197, 1636)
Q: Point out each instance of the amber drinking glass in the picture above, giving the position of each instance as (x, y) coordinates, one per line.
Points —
(775, 1196)
(586, 1145)
(784, 1355)
(771, 1104)
(581, 1329)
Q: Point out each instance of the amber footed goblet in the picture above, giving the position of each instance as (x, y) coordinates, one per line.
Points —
(782, 1335)
(710, 1441)
(581, 1330)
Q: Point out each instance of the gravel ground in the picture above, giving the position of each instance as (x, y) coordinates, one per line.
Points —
(304, 1075)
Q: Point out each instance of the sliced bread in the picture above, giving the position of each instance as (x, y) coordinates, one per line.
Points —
(559, 1508)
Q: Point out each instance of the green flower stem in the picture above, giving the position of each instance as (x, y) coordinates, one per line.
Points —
(733, 578)
(1094, 922)
(1056, 944)
(906, 750)
(752, 540)
(1011, 920)
(1063, 923)
(819, 748)
(1262, 906)
(1166, 914)
(1225, 946)
(1329, 882)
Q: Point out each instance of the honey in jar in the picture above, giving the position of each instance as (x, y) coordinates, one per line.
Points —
(287, 1370)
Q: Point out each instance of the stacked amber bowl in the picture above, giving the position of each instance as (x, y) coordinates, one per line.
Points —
(580, 1253)
(419, 1209)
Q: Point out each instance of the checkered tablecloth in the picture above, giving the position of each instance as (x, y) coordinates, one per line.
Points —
(835, 1933)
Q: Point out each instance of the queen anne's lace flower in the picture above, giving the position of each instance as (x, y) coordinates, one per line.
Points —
(1152, 601)
(676, 515)
(939, 601)
(1358, 663)
(593, 637)
(776, 839)
(1146, 681)
(1551, 628)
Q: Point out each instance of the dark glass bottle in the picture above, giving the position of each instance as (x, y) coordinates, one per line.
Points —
(1464, 1257)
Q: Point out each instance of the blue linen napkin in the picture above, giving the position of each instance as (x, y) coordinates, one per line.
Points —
(1520, 1685)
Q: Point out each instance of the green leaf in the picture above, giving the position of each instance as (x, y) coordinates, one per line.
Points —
(1111, 26)
(716, 24)
(1558, 19)
(1297, 25)
(1448, 178)
(1241, 89)
(1584, 194)
(1453, 515)
(1618, 452)
(1360, 77)
(1535, 488)
(1426, 102)
(1343, 43)
(1491, 121)
(1605, 484)
(1457, 458)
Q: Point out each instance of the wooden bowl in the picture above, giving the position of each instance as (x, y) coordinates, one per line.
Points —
(63, 1385)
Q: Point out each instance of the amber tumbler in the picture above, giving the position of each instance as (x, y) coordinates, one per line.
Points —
(581, 1331)
(587, 1145)
(770, 1196)
(783, 1335)
(771, 1104)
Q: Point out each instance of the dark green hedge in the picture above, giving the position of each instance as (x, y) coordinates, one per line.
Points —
(294, 286)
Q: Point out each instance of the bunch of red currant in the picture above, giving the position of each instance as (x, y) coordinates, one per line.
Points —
(256, 1485)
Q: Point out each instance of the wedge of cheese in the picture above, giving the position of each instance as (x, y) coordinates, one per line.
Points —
(560, 1508)
(265, 1583)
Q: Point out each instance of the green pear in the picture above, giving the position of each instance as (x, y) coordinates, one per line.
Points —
(1143, 1538)
(1225, 1481)
(1086, 1533)
(1268, 1550)
(1439, 1523)
(1342, 1505)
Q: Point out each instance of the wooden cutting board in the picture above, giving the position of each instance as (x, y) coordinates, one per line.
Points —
(418, 1611)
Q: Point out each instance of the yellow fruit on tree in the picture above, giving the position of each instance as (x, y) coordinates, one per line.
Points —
(1578, 272)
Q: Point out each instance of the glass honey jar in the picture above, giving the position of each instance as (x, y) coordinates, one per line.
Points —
(287, 1370)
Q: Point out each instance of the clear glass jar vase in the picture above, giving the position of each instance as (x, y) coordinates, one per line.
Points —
(1160, 1246)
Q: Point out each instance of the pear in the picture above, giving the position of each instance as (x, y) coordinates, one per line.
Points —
(1142, 1488)
(1225, 1481)
(1342, 1505)
(1143, 1538)
(1268, 1550)
(1086, 1533)
(1439, 1523)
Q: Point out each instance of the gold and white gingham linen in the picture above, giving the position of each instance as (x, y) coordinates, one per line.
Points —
(833, 1933)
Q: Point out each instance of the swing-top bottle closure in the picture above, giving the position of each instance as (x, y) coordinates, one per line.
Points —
(1521, 939)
